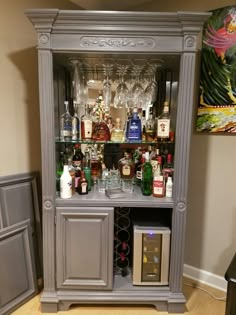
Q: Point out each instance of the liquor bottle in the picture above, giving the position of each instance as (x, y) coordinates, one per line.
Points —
(138, 171)
(169, 187)
(75, 124)
(126, 167)
(150, 129)
(147, 177)
(158, 186)
(87, 124)
(117, 133)
(134, 127)
(66, 124)
(101, 131)
(65, 184)
(168, 167)
(59, 170)
(163, 124)
(77, 162)
(87, 169)
(95, 164)
(156, 160)
(82, 188)
(77, 157)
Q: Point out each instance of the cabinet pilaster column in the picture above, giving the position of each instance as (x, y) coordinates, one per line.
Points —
(48, 164)
(186, 103)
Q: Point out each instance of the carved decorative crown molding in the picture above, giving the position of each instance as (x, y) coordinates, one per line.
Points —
(135, 42)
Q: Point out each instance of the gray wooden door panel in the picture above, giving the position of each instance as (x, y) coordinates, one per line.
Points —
(17, 266)
(18, 202)
(84, 248)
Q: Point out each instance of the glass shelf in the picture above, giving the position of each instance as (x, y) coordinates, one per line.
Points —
(57, 140)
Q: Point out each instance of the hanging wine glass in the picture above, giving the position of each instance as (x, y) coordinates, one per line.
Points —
(151, 89)
(121, 95)
(76, 81)
(79, 85)
(107, 88)
(137, 92)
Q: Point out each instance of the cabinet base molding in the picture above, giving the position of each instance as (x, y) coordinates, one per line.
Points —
(164, 301)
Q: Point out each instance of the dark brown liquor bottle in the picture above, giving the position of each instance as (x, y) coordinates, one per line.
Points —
(82, 187)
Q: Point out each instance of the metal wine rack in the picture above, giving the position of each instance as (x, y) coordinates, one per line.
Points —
(122, 241)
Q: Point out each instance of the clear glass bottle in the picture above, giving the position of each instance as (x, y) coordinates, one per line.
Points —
(117, 133)
(134, 127)
(147, 177)
(87, 124)
(95, 164)
(150, 129)
(75, 124)
(126, 167)
(65, 183)
(163, 124)
(66, 124)
(101, 130)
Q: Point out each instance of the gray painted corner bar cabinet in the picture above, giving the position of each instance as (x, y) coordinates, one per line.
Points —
(78, 232)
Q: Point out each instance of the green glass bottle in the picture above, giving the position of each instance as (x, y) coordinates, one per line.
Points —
(87, 170)
(147, 177)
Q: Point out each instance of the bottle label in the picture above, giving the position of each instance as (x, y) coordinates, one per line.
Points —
(126, 170)
(75, 128)
(84, 187)
(134, 132)
(163, 128)
(139, 175)
(88, 128)
(169, 191)
(158, 187)
(65, 188)
(154, 165)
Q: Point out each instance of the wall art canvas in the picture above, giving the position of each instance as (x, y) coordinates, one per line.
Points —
(217, 99)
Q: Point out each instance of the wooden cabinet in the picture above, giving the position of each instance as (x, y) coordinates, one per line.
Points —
(84, 246)
(175, 40)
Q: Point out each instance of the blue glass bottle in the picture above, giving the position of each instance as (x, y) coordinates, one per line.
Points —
(134, 127)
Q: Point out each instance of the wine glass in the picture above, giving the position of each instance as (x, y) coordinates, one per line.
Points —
(107, 88)
(80, 87)
(151, 89)
(137, 92)
(121, 95)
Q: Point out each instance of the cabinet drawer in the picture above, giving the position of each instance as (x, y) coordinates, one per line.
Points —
(84, 245)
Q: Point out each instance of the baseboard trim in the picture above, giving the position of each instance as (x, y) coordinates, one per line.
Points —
(205, 277)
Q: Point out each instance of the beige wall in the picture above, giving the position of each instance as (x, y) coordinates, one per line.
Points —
(19, 109)
(210, 238)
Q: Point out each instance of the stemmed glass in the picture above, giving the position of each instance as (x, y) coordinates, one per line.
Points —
(137, 92)
(107, 88)
(79, 85)
(151, 89)
(122, 91)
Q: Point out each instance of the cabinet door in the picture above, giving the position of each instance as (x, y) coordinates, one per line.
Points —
(17, 268)
(85, 248)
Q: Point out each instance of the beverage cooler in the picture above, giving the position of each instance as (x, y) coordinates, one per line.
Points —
(151, 255)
